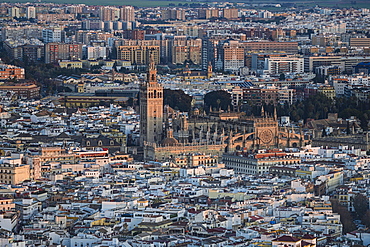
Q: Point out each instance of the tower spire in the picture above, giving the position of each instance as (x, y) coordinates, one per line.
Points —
(209, 70)
(152, 73)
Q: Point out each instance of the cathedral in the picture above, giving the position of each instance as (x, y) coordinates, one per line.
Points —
(164, 133)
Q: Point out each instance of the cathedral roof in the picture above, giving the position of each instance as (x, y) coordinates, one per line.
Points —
(169, 141)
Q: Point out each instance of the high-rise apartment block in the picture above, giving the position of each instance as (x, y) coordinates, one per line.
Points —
(14, 12)
(127, 13)
(138, 54)
(21, 49)
(55, 52)
(186, 50)
(50, 35)
(109, 13)
(96, 52)
(261, 96)
(208, 13)
(231, 13)
(233, 56)
(173, 14)
(31, 12)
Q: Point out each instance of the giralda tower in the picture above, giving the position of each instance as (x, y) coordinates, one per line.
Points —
(151, 108)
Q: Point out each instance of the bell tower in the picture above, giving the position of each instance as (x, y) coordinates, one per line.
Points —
(209, 70)
(152, 72)
(151, 108)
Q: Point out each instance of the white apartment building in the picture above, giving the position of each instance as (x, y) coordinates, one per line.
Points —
(359, 80)
(14, 12)
(95, 52)
(278, 65)
(339, 86)
(52, 35)
(287, 96)
(31, 12)
(265, 14)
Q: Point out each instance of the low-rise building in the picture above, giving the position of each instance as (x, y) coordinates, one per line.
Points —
(11, 72)
(24, 90)
(259, 163)
(12, 171)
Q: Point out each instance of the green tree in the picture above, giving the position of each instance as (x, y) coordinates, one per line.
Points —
(177, 99)
(366, 219)
(361, 205)
(217, 99)
(345, 216)
(318, 106)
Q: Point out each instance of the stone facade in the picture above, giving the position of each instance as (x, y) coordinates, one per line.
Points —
(151, 108)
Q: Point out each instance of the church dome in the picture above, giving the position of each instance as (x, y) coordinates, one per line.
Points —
(169, 141)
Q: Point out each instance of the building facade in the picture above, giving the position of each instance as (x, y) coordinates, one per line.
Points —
(278, 65)
(29, 91)
(258, 163)
(127, 13)
(60, 51)
(11, 72)
(139, 54)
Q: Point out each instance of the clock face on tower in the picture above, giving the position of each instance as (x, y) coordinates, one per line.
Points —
(266, 136)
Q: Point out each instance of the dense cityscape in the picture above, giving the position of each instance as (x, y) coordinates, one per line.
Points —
(212, 124)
